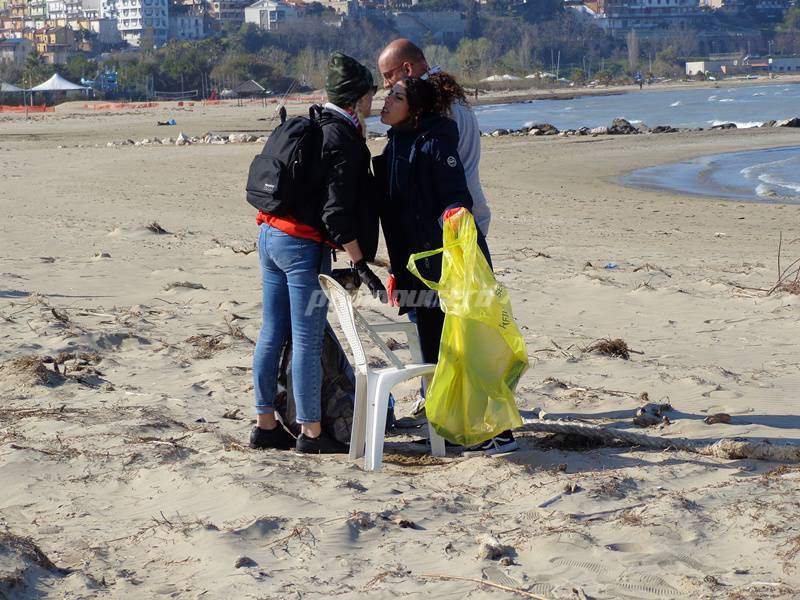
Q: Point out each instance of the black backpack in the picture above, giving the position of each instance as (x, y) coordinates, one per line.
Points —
(288, 169)
(337, 394)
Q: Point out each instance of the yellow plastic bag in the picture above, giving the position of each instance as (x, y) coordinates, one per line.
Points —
(482, 354)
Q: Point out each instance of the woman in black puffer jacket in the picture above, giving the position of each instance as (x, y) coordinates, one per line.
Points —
(423, 183)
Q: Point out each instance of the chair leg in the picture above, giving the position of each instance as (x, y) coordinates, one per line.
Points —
(437, 441)
(372, 384)
(376, 422)
(358, 433)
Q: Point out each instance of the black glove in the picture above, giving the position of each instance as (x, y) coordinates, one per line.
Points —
(372, 281)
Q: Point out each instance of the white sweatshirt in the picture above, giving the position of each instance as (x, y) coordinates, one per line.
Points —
(469, 149)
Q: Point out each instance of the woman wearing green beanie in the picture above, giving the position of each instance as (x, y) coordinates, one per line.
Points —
(295, 248)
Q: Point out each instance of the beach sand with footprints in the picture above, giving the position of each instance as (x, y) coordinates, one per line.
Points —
(130, 298)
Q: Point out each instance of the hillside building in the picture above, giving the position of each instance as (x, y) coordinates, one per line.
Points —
(185, 23)
(441, 26)
(622, 16)
(15, 50)
(139, 18)
(228, 12)
(270, 15)
(55, 44)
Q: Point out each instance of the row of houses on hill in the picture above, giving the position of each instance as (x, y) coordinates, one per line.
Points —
(441, 26)
(55, 28)
(620, 17)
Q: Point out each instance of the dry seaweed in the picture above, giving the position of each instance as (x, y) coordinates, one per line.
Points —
(28, 370)
(788, 278)
(793, 287)
(617, 348)
(30, 551)
(237, 332)
(156, 228)
(207, 345)
(184, 284)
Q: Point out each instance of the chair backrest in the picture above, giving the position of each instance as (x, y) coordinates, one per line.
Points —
(343, 307)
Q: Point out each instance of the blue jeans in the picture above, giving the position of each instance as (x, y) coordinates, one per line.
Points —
(293, 302)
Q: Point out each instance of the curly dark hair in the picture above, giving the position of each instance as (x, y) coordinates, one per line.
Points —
(422, 99)
(432, 96)
(448, 90)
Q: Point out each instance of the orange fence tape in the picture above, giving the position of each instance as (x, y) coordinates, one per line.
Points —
(30, 109)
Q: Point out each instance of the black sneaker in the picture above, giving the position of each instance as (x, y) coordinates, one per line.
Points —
(277, 438)
(324, 444)
(427, 442)
(499, 444)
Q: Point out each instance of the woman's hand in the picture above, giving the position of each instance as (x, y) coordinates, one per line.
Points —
(371, 280)
(391, 291)
(452, 216)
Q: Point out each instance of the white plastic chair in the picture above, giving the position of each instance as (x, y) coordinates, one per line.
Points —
(373, 385)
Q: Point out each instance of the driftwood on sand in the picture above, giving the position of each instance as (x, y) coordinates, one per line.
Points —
(723, 448)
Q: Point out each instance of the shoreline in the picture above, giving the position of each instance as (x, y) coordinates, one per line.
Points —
(695, 177)
(515, 97)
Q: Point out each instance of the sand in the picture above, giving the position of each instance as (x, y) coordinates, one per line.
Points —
(126, 473)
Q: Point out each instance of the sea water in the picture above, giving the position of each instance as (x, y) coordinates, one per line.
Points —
(747, 106)
(770, 175)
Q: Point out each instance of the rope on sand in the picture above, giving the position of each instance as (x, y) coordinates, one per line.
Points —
(723, 448)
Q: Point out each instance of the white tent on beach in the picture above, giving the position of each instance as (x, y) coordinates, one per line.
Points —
(7, 87)
(505, 77)
(57, 84)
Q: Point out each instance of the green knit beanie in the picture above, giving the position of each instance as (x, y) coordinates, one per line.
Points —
(347, 80)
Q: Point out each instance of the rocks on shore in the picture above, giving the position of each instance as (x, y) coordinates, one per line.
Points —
(793, 122)
(185, 140)
(621, 127)
(663, 129)
(543, 129)
(618, 127)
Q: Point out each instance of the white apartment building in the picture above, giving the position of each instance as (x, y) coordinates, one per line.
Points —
(185, 24)
(91, 8)
(270, 14)
(135, 18)
(64, 9)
